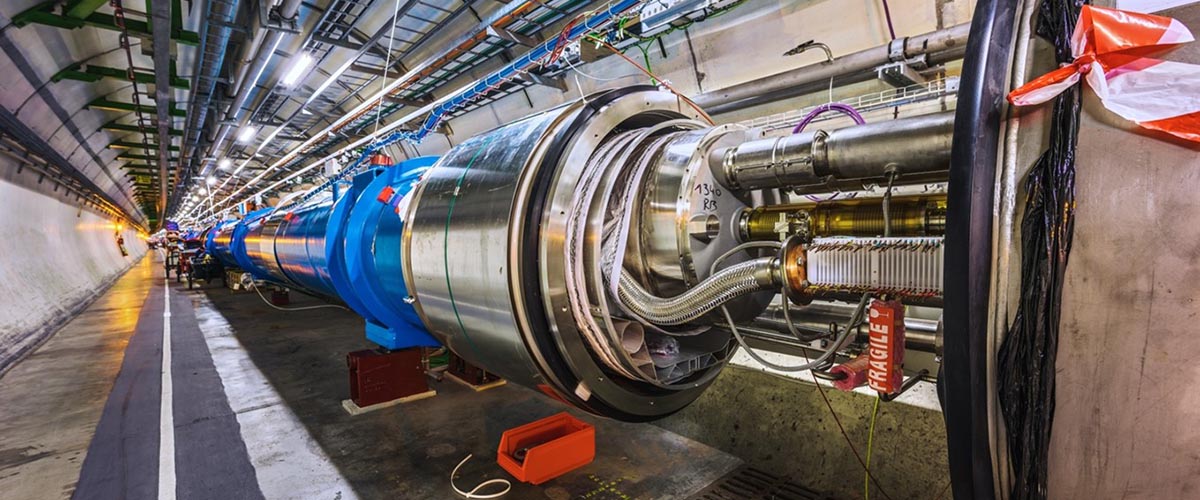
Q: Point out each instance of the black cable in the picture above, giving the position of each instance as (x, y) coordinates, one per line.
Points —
(1027, 356)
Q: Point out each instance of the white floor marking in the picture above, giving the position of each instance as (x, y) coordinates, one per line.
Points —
(288, 462)
(166, 423)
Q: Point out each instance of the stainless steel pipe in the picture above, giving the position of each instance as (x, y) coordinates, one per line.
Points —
(264, 45)
(908, 146)
(940, 46)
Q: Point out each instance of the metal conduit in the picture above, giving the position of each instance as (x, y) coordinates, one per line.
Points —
(939, 46)
(266, 50)
(730, 283)
(220, 15)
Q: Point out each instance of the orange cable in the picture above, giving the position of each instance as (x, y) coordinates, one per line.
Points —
(660, 80)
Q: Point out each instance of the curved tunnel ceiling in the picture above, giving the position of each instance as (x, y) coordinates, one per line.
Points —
(74, 96)
(61, 78)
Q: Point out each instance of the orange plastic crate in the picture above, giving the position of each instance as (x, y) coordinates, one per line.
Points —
(552, 446)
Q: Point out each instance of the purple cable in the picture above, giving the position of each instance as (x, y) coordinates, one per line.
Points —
(887, 12)
(844, 109)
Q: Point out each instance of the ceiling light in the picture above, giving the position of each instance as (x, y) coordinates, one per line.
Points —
(200, 191)
(300, 64)
(195, 197)
(247, 134)
(212, 179)
(224, 164)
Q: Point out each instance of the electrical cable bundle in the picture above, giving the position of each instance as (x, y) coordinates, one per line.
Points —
(1027, 356)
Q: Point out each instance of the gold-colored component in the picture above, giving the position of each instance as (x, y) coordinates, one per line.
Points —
(910, 216)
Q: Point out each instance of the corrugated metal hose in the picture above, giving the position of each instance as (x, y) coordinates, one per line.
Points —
(752, 276)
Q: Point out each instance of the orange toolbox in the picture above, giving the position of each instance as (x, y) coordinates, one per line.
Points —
(545, 449)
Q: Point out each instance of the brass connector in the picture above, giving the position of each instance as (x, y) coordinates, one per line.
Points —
(911, 216)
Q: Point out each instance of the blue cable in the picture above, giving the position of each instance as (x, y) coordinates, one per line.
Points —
(480, 88)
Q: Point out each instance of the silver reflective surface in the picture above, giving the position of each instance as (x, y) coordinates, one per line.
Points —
(300, 244)
(458, 241)
(260, 247)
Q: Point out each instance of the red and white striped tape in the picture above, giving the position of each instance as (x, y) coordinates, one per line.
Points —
(1110, 46)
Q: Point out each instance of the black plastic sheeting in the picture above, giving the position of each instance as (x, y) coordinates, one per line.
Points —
(1027, 356)
(963, 379)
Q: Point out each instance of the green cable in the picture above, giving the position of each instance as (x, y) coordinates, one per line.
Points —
(870, 440)
(446, 239)
(646, 57)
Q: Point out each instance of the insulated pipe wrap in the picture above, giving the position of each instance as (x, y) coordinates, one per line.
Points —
(756, 275)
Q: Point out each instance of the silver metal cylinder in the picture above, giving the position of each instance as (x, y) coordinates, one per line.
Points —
(260, 248)
(909, 146)
(486, 258)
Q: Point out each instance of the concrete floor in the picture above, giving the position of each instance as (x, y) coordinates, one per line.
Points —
(257, 414)
(782, 426)
(51, 402)
(256, 397)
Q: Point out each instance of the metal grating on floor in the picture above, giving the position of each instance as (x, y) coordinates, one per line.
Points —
(749, 483)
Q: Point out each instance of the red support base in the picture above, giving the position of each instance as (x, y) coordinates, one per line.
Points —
(379, 377)
(471, 374)
(280, 297)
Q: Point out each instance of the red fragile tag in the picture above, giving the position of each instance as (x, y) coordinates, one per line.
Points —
(886, 346)
(385, 195)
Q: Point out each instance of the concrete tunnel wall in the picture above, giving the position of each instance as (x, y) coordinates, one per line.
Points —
(56, 258)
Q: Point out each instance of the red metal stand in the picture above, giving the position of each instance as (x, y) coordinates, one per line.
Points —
(469, 374)
(380, 377)
(280, 297)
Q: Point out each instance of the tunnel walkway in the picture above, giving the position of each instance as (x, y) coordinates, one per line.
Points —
(253, 405)
(51, 402)
(98, 387)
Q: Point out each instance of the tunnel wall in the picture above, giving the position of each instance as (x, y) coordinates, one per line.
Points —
(56, 259)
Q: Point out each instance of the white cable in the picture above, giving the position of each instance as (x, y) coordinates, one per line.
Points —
(387, 64)
(472, 493)
(305, 308)
(577, 70)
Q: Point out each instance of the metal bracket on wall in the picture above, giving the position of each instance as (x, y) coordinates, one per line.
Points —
(904, 73)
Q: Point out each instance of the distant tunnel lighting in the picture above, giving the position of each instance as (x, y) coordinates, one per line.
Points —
(210, 180)
(224, 164)
(247, 134)
(300, 64)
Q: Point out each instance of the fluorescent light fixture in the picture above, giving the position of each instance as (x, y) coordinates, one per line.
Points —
(212, 179)
(300, 64)
(224, 164)
(247, 134)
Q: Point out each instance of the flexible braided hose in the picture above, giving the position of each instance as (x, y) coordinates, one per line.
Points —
(730, 283)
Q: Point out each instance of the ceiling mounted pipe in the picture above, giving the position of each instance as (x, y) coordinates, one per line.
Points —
(941, 46)
(249, 76)
(215, 40)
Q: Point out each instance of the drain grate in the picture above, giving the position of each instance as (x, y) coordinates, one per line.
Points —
(749, 483)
